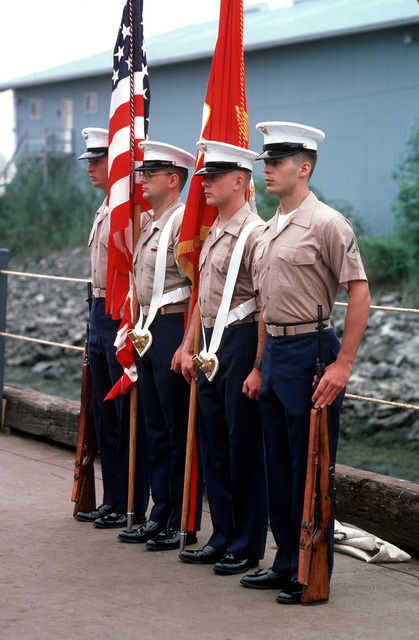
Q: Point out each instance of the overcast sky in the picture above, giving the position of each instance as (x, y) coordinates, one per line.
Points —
(41, 34)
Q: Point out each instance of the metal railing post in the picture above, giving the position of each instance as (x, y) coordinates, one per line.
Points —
(4, 265)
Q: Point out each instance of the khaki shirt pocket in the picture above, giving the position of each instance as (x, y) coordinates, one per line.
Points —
(150, 255)
(221, 262)
(202, 257)
(104, 235)
(91, 236)
(170, 258)
(294, 266)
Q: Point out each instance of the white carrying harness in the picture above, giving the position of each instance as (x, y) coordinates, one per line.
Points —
(207, 359)
(141, 336)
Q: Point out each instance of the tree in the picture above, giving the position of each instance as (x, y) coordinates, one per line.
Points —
(37, 216)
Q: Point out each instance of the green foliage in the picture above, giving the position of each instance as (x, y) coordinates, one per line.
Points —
(407, 205)
(387, 259)
(266, 204)
(44, 209)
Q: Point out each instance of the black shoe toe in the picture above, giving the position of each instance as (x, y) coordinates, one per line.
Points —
(169, 539)
(291, 593)
(91, 516)
(230, 564)
(269, 579)
(205, 555)
(116, 520)
(148, 530)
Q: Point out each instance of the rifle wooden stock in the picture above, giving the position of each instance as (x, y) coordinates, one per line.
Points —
(316, 580)
(313, 570)
(84, 493)
(307, 526)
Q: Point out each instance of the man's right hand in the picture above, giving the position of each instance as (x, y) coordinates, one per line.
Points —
(189, 370)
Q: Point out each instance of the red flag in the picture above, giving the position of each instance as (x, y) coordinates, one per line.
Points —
(128, 125)
(224, 119)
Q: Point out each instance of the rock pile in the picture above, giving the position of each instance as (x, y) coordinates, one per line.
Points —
(52, 310)
(387, 365)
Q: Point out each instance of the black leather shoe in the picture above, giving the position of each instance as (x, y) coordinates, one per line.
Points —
(206, 555)
(147, 531)
(116, 520)
(170, 539)
(231, 564)
(291, 593)
(91, 516)
(269, 579)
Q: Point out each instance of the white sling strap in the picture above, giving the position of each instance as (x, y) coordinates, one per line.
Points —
(140, 336)
(209, 354)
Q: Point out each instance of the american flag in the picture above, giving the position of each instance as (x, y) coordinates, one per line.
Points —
(128, 124)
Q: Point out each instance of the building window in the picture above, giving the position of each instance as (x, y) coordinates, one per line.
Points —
(90, 103)
(35, 109)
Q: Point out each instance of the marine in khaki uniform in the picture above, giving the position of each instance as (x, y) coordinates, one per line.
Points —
(163, 292)
(229, 422)
(111, 418)
(306, 252)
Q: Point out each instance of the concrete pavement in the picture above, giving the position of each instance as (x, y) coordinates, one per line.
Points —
(60, 578)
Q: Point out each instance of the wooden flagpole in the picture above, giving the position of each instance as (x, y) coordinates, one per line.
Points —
(190, 441)
(134, 302)
(133, 399)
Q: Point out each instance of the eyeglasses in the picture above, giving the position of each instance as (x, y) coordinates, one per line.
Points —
(147, 174)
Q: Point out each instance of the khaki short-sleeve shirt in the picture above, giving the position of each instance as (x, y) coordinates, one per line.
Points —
(304, 263)
(215, 258)
(144, 259)
(98, 245)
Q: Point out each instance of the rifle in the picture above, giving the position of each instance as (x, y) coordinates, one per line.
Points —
(313, 572)
(84, 494)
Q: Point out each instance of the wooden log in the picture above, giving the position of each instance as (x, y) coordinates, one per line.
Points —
(41, 414)
(385, 506)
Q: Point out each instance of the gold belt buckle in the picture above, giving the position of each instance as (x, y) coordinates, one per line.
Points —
(141, 340)
(208, 363)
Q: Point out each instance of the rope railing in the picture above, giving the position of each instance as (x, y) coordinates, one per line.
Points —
(48, 343)
(39, 341)
(41, 275)
(380, 308)
(399, 405)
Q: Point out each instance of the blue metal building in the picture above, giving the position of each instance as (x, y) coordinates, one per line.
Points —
(349, 67)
